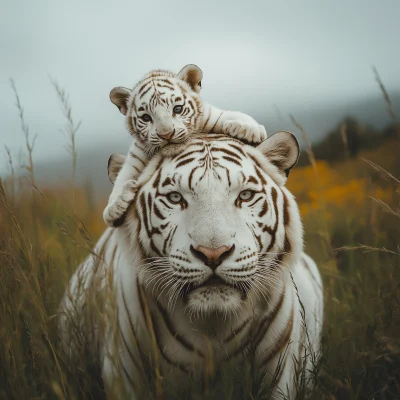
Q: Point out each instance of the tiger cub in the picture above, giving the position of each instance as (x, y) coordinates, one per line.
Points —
(165, 108)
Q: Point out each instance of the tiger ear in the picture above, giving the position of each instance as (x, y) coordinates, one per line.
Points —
(115, 163)
(282, 150)
(192, 75)
(120, 96)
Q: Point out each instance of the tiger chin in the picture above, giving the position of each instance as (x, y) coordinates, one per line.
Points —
(213, 296)
(165, 108)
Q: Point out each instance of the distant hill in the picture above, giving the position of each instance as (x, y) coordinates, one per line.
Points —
(318, 121)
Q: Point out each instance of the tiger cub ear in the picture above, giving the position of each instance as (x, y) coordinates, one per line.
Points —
(192, 75)
(115, 163)
(282, 150)
(120, 96)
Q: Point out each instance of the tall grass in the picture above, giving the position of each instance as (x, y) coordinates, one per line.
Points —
(46, 234)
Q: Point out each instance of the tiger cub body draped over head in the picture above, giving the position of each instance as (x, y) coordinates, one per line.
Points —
(165, 108)
(207, 272)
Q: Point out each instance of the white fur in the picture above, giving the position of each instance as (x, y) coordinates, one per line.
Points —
(209, 315)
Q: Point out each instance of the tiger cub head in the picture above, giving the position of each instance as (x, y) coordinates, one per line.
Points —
(163, 107)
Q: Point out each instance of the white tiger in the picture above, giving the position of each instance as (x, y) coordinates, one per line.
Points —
(165, 108)
(206, 272)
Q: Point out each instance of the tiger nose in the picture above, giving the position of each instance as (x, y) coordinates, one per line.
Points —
(212, 257)
(166, 136)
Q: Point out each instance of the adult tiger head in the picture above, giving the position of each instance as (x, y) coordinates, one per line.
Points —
(162, 107)
(215, 221)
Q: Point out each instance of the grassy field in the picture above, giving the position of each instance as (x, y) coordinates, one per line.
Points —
(351, 215)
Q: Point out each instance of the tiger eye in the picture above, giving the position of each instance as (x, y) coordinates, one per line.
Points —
(178, 109)
(246, 195)
(174, 197)
(146, 117)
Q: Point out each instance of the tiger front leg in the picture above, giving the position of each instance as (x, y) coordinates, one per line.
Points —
(123, 172)
(240, 130)
(115, 211)
(242, 126)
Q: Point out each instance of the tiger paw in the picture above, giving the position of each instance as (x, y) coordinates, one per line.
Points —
(129, 191)
(253, 133)
(114, 213)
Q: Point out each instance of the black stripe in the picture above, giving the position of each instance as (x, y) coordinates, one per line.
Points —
(133, 331)
(146, 91)
(283, 340)
(228, 152)
(251, 205)
(144, 212)
(233, 160)
(157, 179)
(264, 209)
(274, 195)
(133, 155)
(187, 154)
(184, 162)
(267, 320)
(216, 122)
(134, 361)
(286, 215)
(162, 351)
(237, 330)
(175, 334)
(164, 203)
(157, 212)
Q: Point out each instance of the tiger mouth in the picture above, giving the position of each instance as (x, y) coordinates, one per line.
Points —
(212, 281)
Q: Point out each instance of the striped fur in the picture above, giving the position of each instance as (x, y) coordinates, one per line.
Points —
(189, 315)
(156, 97)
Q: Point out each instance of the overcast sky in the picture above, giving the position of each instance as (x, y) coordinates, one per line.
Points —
(255, 56)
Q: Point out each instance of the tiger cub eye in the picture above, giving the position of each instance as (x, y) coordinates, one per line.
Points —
(178, 109)
(146, 117)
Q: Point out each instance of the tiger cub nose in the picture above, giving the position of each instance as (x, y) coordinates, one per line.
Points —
(212, 257)
(166, 136)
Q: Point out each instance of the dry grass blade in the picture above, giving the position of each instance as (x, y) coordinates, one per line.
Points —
(386, 207)
(385, 93)
(30, 144)
(70, 131)
(367, 249)
(385, 174)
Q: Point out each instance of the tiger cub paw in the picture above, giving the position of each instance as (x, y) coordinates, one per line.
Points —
(253, 133)
(114, 213)
(129, 191)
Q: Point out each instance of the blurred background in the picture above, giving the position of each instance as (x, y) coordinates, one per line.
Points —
(327, 71)
(309, 59)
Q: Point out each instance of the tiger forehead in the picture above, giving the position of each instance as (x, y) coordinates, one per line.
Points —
(226, 159)
(203, 143)
(156, 74)
(159, 89)
(159, 83)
